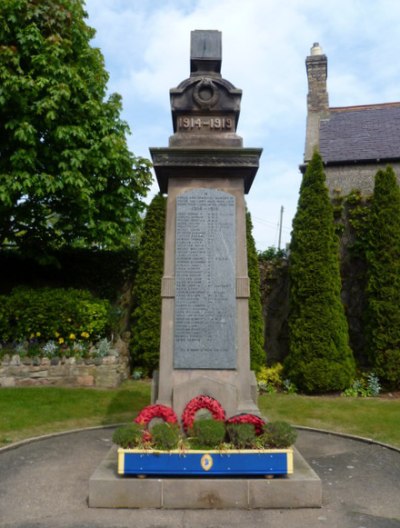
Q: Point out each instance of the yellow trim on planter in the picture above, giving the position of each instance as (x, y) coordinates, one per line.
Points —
(289, 461)
(121, 461)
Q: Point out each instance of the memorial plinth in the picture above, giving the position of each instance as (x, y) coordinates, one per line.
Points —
(206, 172)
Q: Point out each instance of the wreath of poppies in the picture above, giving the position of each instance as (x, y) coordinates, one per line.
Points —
(198, 403)
(250, 419)
(156, 411)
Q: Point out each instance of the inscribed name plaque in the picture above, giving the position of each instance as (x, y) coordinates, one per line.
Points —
(205, 275)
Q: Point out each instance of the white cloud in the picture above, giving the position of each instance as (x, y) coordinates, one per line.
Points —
(146, 44)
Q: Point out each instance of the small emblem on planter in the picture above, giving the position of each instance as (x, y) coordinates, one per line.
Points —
(206, 462)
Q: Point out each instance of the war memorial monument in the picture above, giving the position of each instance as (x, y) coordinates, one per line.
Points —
(205, 350)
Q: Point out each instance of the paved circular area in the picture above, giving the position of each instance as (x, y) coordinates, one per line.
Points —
(45, 484)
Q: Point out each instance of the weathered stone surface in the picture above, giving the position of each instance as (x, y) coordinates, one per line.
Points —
(7, 382)
(232, 163)
(112, 370)
(85, 381)
(205, 155)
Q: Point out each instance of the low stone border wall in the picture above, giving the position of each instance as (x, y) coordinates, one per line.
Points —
(106, 372)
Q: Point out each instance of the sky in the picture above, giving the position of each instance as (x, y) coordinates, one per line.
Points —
(146, 47)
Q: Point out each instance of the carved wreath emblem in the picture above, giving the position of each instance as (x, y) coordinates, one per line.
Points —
(205, 93)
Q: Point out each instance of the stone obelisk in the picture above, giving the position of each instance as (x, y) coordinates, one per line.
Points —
(206, 172)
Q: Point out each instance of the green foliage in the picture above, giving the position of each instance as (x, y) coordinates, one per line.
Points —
(271, 254)
(208, 434)
(319, 357)
(269, 379)
(278, 435)
(241, 435)
(165, 436)
(147, 294)
(383, 279)
(256, 322)
(128, 436)
(66, 174)
(289, 387)
(367, 386)
(358, 213)
(104, 273)
(47, 313)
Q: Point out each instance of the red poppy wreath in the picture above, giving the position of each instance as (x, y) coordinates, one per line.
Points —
(198, 403)
(156, 411)
(250, 419)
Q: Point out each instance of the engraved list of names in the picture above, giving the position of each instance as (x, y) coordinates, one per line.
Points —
(205, 293)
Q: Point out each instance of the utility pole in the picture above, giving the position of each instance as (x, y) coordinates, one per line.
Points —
(280, 228)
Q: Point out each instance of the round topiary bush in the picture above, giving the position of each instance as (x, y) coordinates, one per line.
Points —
(165, 436)
(209, 434)
(128, 436)
(277, 435)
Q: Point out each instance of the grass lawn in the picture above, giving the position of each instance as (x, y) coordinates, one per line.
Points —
(33, 411)
(375, 418)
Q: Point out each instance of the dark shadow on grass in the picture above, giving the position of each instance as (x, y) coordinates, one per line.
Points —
(127, 403)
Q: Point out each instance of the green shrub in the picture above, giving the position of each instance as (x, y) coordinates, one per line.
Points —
(146, 319)
(128, 436)
(367, 386)
(383, 279)
(165, 436)
(277, 435)
(46, 313)
(208, 434)
(320, 358)
(256, 321)
(241, 435)
(269, 379)
(272, 254)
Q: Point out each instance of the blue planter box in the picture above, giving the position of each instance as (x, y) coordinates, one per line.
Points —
(140, 462)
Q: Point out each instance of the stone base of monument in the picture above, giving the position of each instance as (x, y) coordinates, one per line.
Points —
(301, 489)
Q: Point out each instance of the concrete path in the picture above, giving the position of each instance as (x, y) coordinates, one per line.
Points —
(45, 484)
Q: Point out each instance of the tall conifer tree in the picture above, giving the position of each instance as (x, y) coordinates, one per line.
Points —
(383, 279)
(257, 352)
(147, 290)
(320, 358)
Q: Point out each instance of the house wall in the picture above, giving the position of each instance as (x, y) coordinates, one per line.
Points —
(344, 179)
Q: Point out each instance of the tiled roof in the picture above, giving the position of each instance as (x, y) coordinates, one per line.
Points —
(361, 133)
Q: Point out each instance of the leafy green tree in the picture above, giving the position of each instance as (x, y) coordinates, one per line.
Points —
(66, 174)
(383, 279)
(256, 323)
(147, 290)
(319, 358)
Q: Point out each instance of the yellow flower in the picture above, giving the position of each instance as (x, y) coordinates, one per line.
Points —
(31, 336)
(56, 334)
(85, 334)
(61, 340)
(72, 336)
(38, 334)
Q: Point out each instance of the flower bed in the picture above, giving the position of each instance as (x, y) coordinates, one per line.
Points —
(242, 445)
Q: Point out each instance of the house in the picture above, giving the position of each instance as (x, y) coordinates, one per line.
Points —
(354, 141)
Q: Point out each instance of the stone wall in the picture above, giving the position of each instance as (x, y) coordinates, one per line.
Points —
(341, 180)
(106, 372)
